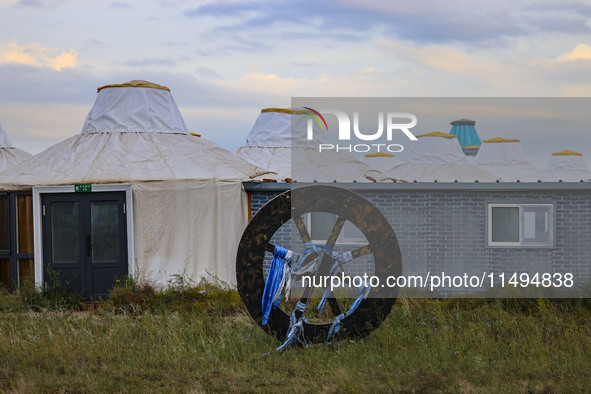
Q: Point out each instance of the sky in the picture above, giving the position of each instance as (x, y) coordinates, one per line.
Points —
(226, 60)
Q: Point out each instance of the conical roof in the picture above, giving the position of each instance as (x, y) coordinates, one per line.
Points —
(438, 157)
(135, 106)
(134, 132)
(568, 166)
(381, 161)
(9, 155)
(505, 158)
(278, 142)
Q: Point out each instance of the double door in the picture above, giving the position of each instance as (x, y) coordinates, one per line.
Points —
(85, 240)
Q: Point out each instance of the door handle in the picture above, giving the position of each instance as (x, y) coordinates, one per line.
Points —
(88, 245)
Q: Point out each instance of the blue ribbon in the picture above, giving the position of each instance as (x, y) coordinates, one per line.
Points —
(273, 282)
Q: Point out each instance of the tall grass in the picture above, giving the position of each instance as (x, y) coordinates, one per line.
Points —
(166, 342)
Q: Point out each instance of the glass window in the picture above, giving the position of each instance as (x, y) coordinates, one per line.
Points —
(505, 224)
(521, 225)
(65, 244)
(105, 231)
(538, 223)
(322, 223)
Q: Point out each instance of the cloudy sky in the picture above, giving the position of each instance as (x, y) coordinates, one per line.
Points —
(226, 60)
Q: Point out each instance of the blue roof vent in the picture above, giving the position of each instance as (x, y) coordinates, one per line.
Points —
(468, 138)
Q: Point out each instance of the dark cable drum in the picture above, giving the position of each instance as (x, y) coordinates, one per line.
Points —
(345, 204)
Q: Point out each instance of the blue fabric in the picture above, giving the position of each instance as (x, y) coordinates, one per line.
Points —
(336, 324)
(322, 302)
(273, 282)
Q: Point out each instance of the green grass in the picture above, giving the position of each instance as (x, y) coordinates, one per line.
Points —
(166, 342)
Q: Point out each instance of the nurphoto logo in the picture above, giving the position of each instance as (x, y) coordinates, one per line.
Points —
(395, 121)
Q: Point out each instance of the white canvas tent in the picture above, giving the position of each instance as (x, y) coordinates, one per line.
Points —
(185, 192)
(381, 161)
(9, 155)
(438, 157)
(506, 159)
(568, 166)
(278, 142)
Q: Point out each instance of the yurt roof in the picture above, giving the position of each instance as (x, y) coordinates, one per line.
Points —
(438, 157)
(568, 166)
(381, 161)
(132, 133)
(278, 142)
(9, 155)
(505, 158)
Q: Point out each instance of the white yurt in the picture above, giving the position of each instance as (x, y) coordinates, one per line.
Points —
(135, 193)
(438, 157)
(505, 158)
(381, 161)
(278, 142)
(568, 166)
(9, 155)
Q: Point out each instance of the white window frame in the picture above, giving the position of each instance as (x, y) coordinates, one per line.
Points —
(38, 214)
(520, 243)
(341, 240)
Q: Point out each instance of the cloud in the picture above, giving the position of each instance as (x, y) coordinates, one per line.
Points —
(38, 3)
(421, 21)
(166, 62)
(117, 4)
(486, 72)
(581, 51)
(34, 54)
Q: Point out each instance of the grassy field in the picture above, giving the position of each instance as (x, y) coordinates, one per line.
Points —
(203, 341)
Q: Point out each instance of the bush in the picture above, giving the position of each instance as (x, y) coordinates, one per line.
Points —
(205, 298)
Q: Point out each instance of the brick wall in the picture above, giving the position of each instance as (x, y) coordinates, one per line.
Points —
(446, 231)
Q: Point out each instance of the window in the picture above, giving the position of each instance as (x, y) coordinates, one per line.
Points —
(321, 224)
(521, 225)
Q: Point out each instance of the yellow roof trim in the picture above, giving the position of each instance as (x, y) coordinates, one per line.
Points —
(288, 111)
(500, 139)
(567, 153)
(136, 83)
(437, 134)
(471, 147)
(379, 154)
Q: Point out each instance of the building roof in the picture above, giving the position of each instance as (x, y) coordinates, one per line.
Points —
(131, 134)
(381, 161)
(278, 142)
(438, 157)
(568, 166)
(9, 155)
(505, 158)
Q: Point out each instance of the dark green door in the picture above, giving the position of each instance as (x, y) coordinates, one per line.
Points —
(85, 240)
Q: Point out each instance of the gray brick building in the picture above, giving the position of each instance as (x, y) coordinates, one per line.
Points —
(476, 228)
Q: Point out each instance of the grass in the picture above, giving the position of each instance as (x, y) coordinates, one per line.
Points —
(198, 338)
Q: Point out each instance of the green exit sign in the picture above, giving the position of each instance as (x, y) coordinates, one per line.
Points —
(83, 188)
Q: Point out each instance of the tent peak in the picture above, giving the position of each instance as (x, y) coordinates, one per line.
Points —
(463, 122)
(437, 134)
(379, 154)
(567, 152)
(136, 83)
(148, 110)
(500, 140)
